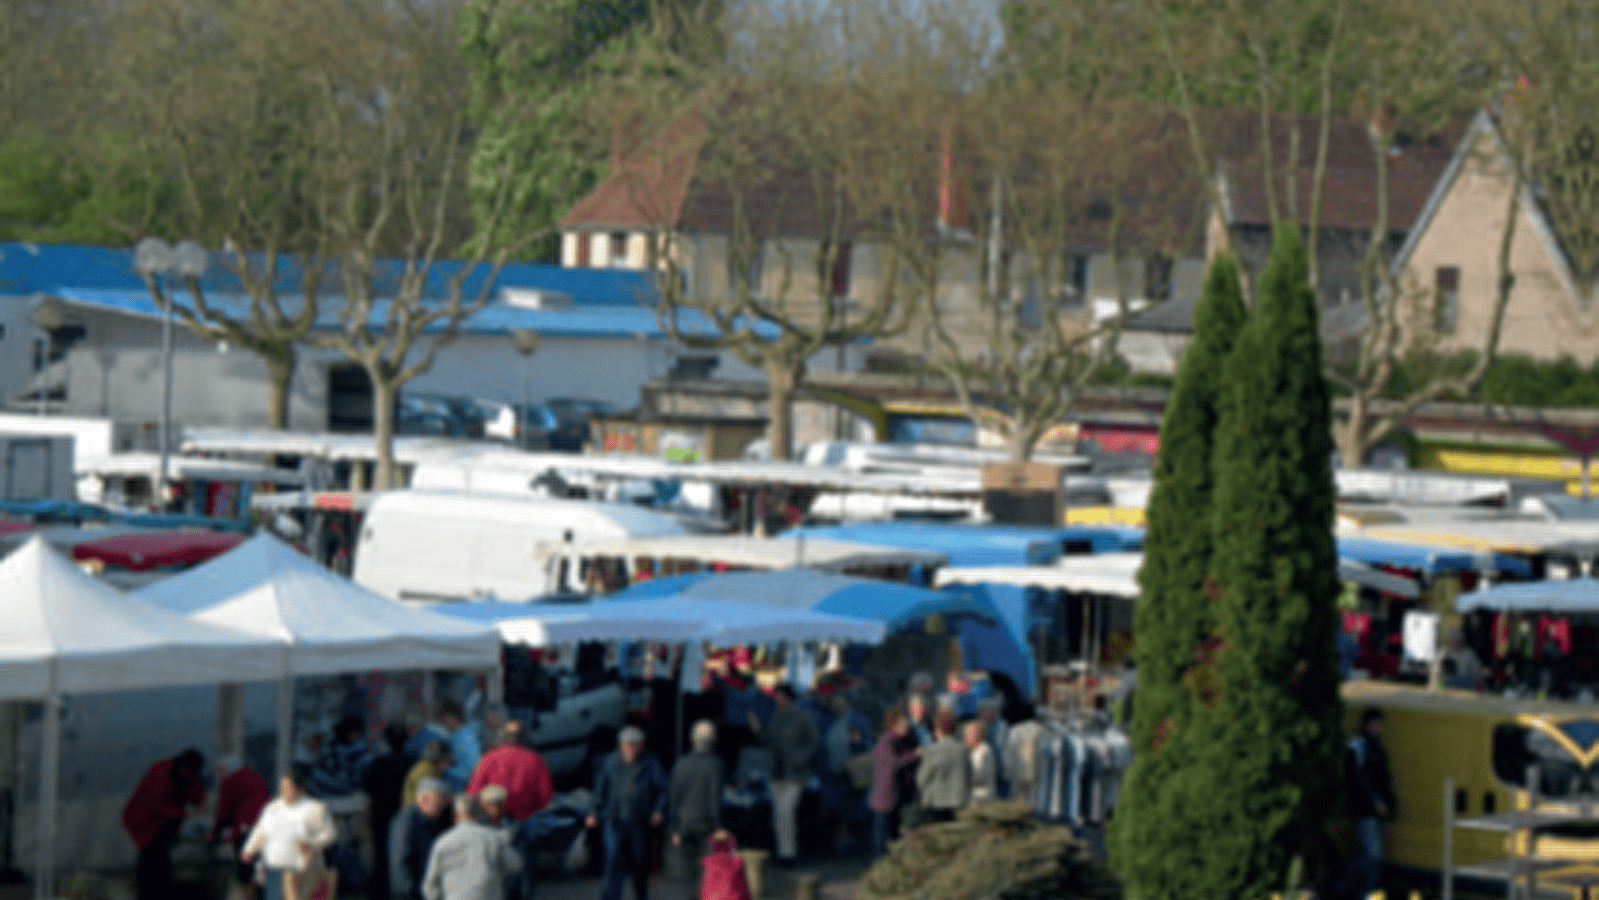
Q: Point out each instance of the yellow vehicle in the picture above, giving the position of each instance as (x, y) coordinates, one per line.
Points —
(1485, 744)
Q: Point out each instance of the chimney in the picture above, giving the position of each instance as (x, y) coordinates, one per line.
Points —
(952, 201)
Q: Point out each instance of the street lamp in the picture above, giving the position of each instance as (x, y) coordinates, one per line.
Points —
(526, 341)
(154, 258)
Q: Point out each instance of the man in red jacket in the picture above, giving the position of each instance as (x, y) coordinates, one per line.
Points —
(241, 795)
(528, 789)
(152, 816)
(518, 769)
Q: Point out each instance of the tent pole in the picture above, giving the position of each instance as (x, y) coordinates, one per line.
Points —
(49, 783)
(285, 725)
(494, 690)
(230, 719)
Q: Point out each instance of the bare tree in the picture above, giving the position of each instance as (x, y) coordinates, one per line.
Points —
(1525, 145)
(225, 96)
(1057, 160)
(780, 179)
(393, 136)
(1402, 68)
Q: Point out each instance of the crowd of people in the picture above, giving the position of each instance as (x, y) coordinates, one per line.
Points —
(446, 820)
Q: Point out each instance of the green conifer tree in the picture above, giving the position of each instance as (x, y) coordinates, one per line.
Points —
(1150, 844)
(1268, 761)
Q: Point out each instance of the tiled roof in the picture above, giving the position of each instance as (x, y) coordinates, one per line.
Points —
(648, 189)
(1349, 196)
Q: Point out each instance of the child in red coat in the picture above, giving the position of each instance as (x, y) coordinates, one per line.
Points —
(724, 877)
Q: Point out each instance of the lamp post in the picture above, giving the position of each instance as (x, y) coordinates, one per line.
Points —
(154, 258)
(527, 344)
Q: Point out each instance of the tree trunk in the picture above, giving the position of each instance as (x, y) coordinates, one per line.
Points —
(280, 379)
(1018, 443)
(1350, 435)
(383, 391)
(782, 380)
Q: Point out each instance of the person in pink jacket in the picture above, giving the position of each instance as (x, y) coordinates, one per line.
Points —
(896, 749)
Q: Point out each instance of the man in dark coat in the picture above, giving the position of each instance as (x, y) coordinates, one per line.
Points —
(629, 796)
(1370, 791)
(383, 782)
(694, 808)
(152, 816)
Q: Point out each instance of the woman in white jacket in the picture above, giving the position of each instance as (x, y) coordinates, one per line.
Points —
(290, 836)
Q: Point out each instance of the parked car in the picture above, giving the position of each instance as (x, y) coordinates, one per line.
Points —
(439, 415)
(573, 416)
(532, 426)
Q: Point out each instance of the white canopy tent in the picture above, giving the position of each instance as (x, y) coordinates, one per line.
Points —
(328, 623)
(67, 633)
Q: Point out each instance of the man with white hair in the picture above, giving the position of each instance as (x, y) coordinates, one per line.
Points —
(693, 808)
(629, 797)
(415, 831)
(471, 861)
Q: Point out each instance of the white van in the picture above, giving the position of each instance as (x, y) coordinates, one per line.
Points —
(428, 545)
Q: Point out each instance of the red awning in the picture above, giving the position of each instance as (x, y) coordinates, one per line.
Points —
(1122, 438)
(142, 552)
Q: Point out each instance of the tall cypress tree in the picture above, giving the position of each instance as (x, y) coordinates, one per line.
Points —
(1269, 765)
(1150, 843)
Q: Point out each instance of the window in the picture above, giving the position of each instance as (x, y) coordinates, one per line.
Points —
(618, 249)
(1157, 278)
(838, 276)
(1076, 279)
(1446, 299)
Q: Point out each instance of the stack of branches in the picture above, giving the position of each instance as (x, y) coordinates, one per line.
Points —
(996, 851)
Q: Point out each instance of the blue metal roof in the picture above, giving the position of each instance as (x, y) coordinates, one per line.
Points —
(28, 268)
(605, 302)
(498, 318)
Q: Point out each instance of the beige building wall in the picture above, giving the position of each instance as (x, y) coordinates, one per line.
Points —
(1543, 318)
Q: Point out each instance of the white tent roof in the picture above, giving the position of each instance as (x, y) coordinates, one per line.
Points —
(754, 552)
(1111, 574)
(66, 632)
(1116, 575)
(725, 623)
(329, 623)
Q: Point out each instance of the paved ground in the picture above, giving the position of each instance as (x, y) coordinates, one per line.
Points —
(839, 879)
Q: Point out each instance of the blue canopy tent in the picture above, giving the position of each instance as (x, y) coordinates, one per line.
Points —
(1421, 557)
(986, 640)
(1578, 595)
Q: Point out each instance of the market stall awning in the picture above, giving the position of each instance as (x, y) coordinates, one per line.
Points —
(142, 551)
(536, 626)
(752, 552)
(1576, 595)
(725, 623)
(1116, 575)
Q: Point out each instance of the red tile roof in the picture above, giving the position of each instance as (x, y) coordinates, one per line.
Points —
(649, 188)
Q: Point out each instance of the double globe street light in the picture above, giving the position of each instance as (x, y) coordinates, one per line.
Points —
(154, 259)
